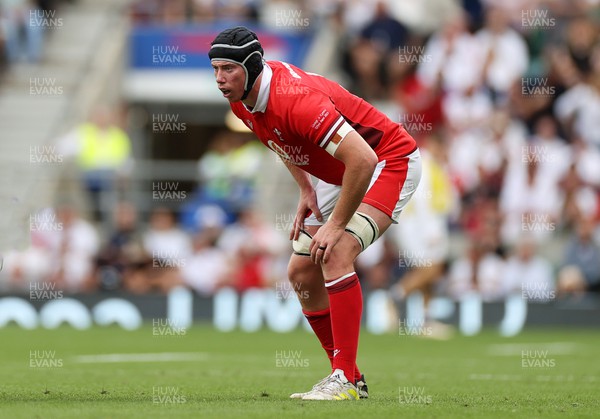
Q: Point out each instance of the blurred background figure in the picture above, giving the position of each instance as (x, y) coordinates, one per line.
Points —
(529, 274)
(580, 271)
(480, 271)
(374, 51)
(209, 268)
(23, 30)
(424, 235)
(73, 249)
(252, 244)
(102, 151)
(504, 52)
(122, 248)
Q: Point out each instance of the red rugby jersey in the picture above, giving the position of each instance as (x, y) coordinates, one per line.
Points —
(303, 112)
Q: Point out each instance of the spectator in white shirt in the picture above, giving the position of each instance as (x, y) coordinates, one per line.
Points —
(164, 239)
(479, 271)
(453, 58)
(578, 108)
(529, 274)
(504, 52)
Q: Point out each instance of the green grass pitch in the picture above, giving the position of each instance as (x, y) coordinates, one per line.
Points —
(61, 374)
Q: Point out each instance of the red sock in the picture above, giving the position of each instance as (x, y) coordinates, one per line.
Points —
(320, 321)
(345, 302)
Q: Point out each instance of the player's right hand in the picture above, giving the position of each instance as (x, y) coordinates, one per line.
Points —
(306, 206)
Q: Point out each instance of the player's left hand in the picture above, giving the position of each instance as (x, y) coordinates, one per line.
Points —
(324, 241)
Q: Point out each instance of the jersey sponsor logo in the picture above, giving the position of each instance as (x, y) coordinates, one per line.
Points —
(289, 154)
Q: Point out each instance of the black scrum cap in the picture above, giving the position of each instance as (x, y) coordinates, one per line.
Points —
(241, 46)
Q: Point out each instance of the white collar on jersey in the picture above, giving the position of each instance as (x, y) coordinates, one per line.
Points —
(263, 91)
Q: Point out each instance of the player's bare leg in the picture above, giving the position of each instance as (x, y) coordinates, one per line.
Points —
(308, 282)
(345, 300)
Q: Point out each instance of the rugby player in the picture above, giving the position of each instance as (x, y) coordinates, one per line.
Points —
(367, 168)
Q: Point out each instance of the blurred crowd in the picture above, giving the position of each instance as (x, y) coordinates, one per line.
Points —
(24, 24)
(503, 98)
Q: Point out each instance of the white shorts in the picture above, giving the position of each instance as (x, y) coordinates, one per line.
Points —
(393, 183)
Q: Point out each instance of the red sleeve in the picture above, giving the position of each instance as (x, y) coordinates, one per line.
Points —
(318, 119)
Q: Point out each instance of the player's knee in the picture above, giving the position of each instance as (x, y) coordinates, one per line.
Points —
(300, 270)
(341, 259)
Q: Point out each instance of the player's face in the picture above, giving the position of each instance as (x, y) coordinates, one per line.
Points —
(230, 79)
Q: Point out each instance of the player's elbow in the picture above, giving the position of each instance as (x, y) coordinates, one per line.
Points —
(369, 160)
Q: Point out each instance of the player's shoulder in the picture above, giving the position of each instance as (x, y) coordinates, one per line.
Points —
(290, 84)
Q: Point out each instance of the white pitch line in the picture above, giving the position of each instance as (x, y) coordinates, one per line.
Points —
(141, 357)
(512, 349)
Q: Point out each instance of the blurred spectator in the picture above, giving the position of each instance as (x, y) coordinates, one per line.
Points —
(208, 267)
(572, 56)
(529, 200)
(228, 172)
(166, 251)
(22, 268)
(375, 50)
(528, 274)
(164, 239)
(553, 152)
(580, 183)
(22, 33)
(285, 15)
(252, 244)
(504, 54)
(578, 108)
(122, 249)
(580, 270)
(479, 271)
(373, 265)
(103, 153)
(73, 248)
(452, 58)
(423, 233)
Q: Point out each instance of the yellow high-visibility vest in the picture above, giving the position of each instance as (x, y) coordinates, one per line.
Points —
(107, 149)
